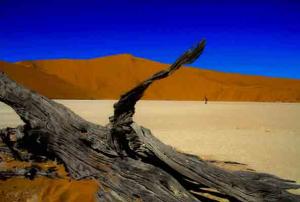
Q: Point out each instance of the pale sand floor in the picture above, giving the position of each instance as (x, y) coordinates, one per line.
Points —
(266, 136)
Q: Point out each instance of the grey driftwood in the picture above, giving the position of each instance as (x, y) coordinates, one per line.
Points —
(127, 160)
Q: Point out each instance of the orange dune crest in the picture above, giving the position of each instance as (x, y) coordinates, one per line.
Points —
(109, 77)
(45, 84)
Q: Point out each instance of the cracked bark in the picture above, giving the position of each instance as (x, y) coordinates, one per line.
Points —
(128, 161)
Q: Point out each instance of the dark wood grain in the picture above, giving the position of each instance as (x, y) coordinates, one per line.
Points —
(128, 161)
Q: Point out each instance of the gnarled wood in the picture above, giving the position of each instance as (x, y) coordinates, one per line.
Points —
(127, 160)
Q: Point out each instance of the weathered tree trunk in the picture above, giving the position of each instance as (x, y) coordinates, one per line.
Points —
(127, 160)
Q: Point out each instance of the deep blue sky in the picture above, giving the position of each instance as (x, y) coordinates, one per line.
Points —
(252, 37)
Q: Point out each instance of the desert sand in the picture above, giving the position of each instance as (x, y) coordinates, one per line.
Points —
(265, 136)
(109, 77)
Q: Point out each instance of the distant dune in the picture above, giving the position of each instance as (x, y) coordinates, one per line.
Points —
(45, 84)
(109, 77)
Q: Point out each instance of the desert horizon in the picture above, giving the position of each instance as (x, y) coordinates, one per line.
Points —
(108, 77)
(139, 101)
(241, 127)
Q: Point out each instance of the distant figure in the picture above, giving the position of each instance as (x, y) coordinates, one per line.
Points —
(205, 100)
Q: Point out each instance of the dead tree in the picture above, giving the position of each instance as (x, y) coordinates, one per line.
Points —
(127, 160)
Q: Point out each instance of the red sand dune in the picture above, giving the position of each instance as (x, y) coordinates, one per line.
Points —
(45, 84)
(109, 77)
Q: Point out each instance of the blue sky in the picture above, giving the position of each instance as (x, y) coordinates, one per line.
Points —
(248, 37)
